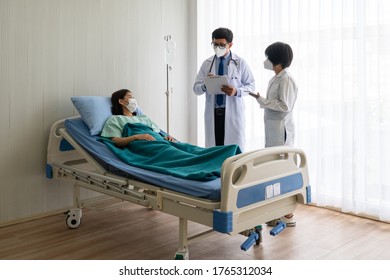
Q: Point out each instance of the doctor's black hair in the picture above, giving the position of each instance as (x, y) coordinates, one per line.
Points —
(279, 53)
(222, 33)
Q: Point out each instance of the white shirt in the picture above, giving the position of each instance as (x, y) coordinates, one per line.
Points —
(278, 110)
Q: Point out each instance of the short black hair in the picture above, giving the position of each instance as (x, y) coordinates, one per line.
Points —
(279, 53)
(222, 33)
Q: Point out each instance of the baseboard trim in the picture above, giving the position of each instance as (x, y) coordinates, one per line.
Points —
(87, 201)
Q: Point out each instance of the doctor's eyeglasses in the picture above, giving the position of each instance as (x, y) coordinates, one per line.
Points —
(221, 46)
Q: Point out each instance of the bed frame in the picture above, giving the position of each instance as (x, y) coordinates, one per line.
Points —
(257, 187)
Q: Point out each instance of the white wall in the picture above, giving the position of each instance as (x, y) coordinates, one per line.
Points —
(51, 50)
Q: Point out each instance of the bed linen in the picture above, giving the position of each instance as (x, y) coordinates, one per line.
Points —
(178, 159)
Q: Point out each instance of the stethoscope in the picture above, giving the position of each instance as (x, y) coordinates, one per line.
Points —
(231, 74)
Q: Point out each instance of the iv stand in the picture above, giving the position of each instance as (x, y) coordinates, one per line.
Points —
(169, 68)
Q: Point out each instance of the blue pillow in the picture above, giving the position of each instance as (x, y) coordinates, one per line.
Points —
(94, 110)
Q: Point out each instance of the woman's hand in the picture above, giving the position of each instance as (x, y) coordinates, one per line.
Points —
(147, 137)
(255, 95)
(170, 138)
(124, 141)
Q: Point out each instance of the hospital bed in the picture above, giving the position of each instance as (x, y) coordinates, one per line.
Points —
(254, 188)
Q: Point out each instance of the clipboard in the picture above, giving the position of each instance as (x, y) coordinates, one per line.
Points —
(214, 83)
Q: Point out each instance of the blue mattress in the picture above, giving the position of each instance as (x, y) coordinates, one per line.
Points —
(80, 132)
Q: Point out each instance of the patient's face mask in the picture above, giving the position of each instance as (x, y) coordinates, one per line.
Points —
(268, 64)
(132, 106)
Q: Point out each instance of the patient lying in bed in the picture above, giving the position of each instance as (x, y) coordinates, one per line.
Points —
(139, 142)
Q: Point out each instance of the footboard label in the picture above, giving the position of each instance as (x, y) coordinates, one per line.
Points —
(260, 192)
(272, 190)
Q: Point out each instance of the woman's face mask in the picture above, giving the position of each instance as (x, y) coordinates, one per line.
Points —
(268, 64)
(132, 106)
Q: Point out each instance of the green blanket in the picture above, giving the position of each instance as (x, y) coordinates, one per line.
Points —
(177, 159)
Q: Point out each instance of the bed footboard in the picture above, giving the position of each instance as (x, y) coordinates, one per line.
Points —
(260, 186)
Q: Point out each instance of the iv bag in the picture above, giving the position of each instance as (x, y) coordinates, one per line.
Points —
(170, 49)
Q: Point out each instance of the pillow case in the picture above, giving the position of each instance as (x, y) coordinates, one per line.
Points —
(94, 110)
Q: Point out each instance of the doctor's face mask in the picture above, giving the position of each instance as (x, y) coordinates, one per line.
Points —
(268, 65)
(219, 52)
(220, 47)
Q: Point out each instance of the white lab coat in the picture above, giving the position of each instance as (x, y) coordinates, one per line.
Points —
(241, 78)
(278, 110)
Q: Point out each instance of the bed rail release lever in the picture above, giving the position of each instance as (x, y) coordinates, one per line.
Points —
(253, 236)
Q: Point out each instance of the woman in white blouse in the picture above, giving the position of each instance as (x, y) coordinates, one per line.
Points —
(279, 103)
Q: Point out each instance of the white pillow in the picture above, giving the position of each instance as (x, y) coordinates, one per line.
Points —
(94, 110)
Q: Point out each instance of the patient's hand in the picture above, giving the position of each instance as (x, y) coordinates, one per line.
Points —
(145, 137)
(170, 138)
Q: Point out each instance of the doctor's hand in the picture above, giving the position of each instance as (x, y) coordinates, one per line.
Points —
(229, 90)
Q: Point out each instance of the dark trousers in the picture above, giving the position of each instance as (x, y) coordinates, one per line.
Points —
(219, 126)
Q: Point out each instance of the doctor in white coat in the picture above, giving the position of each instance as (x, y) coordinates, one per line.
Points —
(224, 114)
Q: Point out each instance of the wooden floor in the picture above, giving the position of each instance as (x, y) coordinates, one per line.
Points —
(112, 229)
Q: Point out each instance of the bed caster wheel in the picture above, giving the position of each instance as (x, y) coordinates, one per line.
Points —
(73, 219)
(182, 255)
